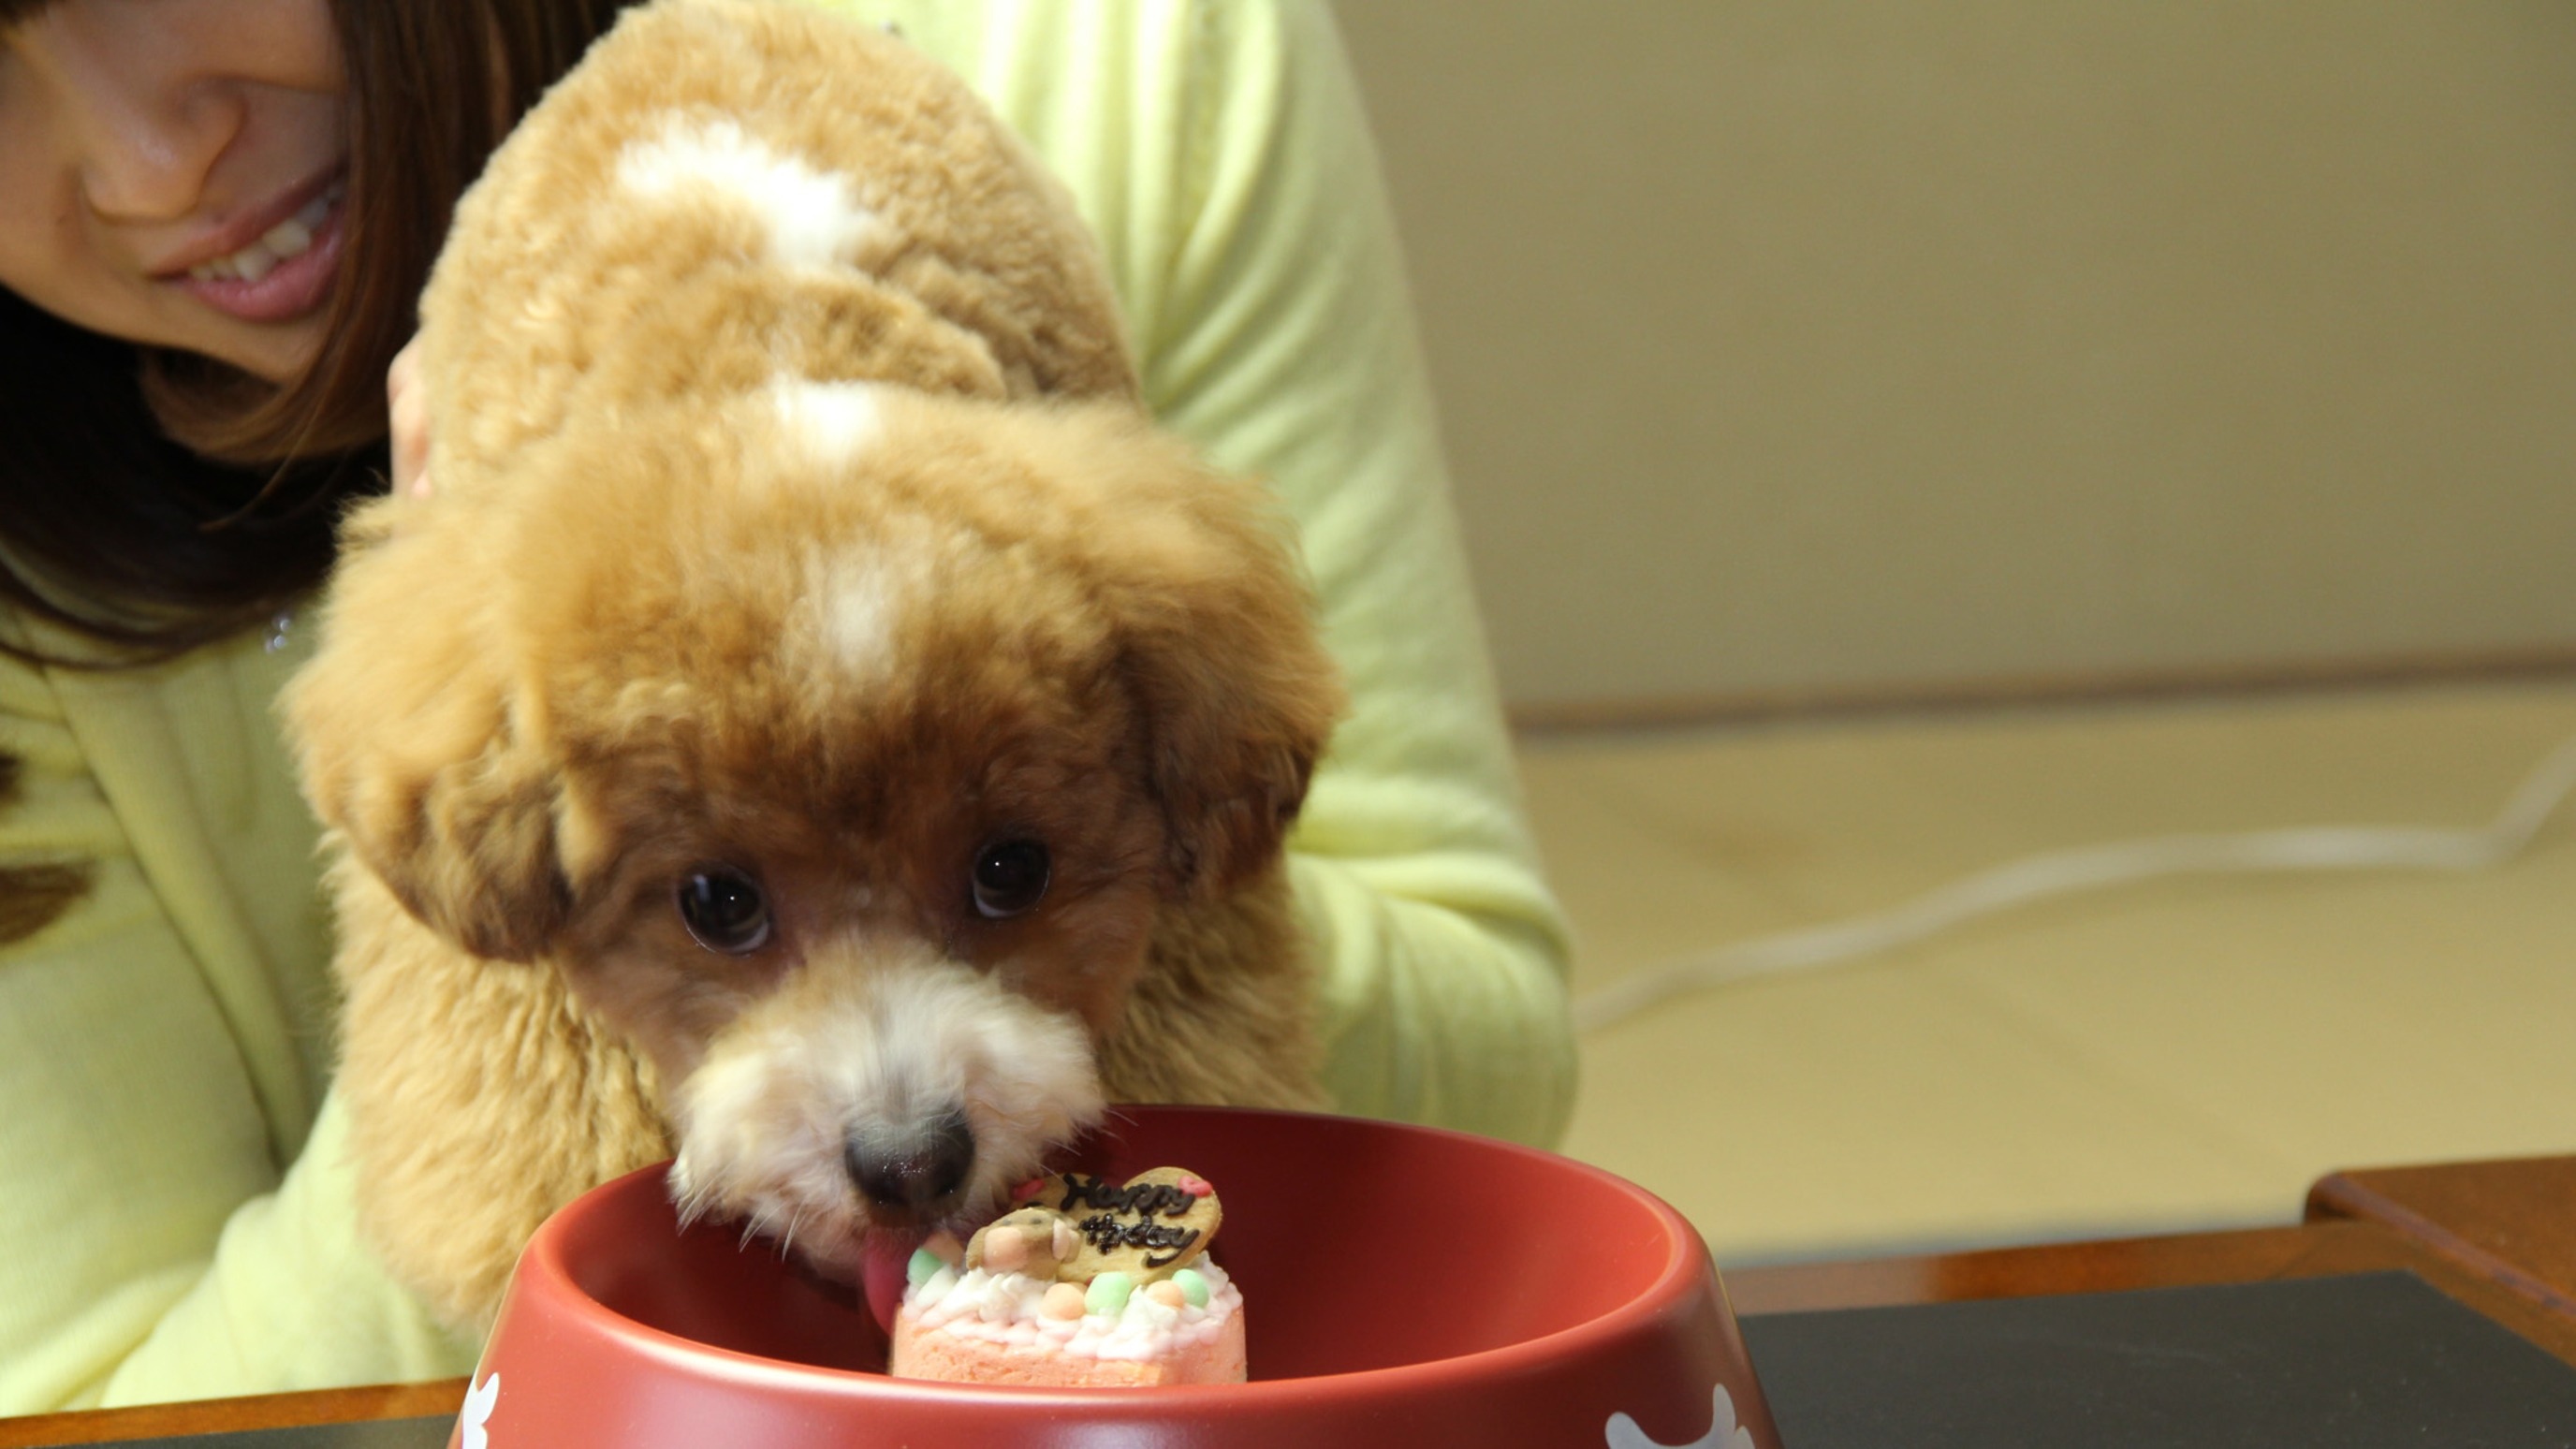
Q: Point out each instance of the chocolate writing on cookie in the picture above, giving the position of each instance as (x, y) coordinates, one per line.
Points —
(1108, 1234)
(1148, 1225)
(1142, 1198)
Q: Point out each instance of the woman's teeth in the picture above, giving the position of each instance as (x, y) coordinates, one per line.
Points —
(291, 237)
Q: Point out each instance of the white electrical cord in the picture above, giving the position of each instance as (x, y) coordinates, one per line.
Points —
(2066, 872)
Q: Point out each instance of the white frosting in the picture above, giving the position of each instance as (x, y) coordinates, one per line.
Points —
(1002, 1308)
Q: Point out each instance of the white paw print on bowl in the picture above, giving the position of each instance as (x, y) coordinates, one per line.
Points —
(1723, 1432)
(478, 1412)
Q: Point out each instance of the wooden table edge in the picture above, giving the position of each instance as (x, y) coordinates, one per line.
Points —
(438, 1399)
(2389, 1196)
(2253, 1255)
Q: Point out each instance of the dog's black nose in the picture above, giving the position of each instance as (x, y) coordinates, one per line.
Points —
(912, 1169)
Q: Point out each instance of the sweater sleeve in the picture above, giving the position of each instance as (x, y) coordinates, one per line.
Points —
(292, 1298)
(1279, 334)
(155, 1249)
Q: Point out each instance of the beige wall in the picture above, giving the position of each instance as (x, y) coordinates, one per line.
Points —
(1847, 347)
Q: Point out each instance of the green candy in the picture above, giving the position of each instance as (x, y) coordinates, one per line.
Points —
(918, 1269)
(1108, 1294)
(1193, 1286)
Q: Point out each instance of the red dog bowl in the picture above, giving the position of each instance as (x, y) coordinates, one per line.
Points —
(1402, 1286)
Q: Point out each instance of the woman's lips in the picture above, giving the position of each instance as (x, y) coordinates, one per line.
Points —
(272, 288)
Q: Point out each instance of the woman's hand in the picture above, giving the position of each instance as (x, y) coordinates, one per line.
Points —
(407, 412)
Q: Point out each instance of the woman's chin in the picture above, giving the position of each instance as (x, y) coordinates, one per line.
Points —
(277, 352)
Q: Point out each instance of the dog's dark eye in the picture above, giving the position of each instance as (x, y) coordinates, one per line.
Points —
(1010, 877)
(725, 911)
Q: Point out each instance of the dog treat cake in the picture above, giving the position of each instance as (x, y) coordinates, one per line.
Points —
(1084, 1283)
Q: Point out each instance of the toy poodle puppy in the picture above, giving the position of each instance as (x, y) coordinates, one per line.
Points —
(818, 728)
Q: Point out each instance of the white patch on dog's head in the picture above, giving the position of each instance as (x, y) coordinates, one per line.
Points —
(813, 217)
(852, 599)
(834, 421)
(855, 602)
(873, 1040)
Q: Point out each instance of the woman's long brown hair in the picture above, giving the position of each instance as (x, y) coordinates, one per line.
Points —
(153, 501)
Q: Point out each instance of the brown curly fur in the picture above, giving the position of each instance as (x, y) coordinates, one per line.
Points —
(648, 622)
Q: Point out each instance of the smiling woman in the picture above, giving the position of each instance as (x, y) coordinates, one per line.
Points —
(211, 255)
(173, 153)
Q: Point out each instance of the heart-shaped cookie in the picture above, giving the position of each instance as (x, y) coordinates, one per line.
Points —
(1150, 1226)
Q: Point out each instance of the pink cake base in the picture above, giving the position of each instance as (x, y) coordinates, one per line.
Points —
(921, 1353)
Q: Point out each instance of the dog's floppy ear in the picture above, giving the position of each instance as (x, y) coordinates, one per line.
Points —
(468, 846)
(1234, 693)
(417, 751)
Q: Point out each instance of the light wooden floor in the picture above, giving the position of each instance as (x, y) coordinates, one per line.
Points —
(2174, 1054)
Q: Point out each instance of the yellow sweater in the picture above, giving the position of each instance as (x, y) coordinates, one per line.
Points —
(175, 1214)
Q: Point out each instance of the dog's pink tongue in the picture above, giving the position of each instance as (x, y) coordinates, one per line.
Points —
(881, 1273)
